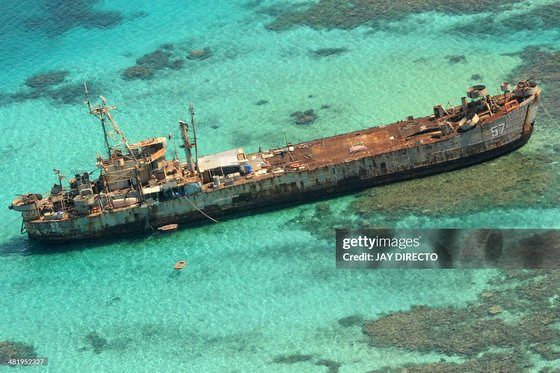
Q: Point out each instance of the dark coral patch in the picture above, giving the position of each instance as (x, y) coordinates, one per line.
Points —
(542, 64)
(52, 86)
(353, 13)
(540, 17)
(63, 15)
(15, 350)
(96, 341)
(456, 59)
(476, 77)
(539, 63)
(165, 57)
(428, 329)
(156, 60)
(304, 117)
(46, 80)
(514, 178)
(138, 72)
(327, 52)
(177, 64)
(489, 362)
(149, 64)
(332, 366)
(352, 320)
(72, 93)
(167, 46)
(470, 332)
(291, 359)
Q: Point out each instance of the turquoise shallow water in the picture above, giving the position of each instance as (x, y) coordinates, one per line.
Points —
(256, 287)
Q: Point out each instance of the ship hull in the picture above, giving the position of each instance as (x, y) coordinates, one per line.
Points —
(343, 186)
(487, 141)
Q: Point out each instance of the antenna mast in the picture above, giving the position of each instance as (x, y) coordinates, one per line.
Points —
(102, 111)
(191, 111)
(106, 110)
(187, 145)
(101, 118)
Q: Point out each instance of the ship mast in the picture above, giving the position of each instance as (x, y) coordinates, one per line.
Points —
(191, 111)
(101, 118)
(187, 145)
(102, 111)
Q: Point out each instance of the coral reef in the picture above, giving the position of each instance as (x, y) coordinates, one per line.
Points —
(539, 17)
(476, 77)
(176, 64)
(155, 60)
(138, 72)
(332, 366)
(291, 359)
(538, 63)
(456, 59)
(489, 362)
(477, 329)
(164, 57)
(64, 15)
(428, 329)
(304, 117)
(15, 350)
(51, 86)
(517, 180)
(147, 65)
(96, 341)
(261, 102)
(46, 80)
(352, 320)
(540, 250)
(543, 64)
(72, 93)
(353, 13)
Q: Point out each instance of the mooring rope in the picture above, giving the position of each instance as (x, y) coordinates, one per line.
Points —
(550, 116)
(202, 212)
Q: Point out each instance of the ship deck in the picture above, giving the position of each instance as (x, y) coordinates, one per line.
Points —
(372, 141)
(357, 144)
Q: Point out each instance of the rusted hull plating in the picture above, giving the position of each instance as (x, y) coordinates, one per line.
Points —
(484, 142)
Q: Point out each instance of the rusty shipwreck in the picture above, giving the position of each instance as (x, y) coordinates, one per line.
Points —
(139, 189)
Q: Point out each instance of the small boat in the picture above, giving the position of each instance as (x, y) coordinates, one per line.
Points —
(168, 227)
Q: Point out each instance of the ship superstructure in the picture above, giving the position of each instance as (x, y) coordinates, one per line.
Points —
(140, 189)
